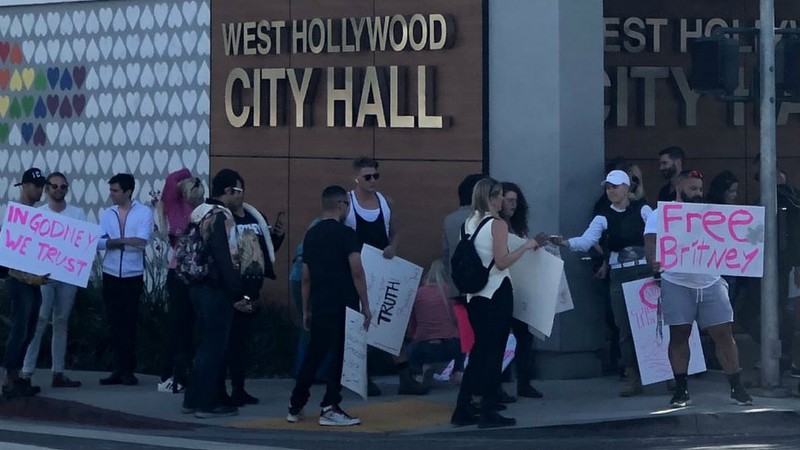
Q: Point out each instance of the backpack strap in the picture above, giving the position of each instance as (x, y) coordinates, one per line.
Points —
(475, 234)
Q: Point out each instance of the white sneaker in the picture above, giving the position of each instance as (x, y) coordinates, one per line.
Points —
(294, 417)
(168, 385)
(335, 417)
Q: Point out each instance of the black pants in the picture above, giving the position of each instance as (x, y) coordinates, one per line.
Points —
(180, 345)
(121, 298)
(327, 335)
(236, 355)
(213, 309)
(490, 320)
(523, 357)
(24, 302)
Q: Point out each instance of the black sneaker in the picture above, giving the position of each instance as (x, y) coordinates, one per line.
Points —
(62, 381)
(112, 379)
(740, 396)
(241, 397)
(495, 420)
(681, 399)
(128, 379)
(463, 417)
(528, 391)
(505, 397)
(372, 389)
(219, 411)
(25, 384)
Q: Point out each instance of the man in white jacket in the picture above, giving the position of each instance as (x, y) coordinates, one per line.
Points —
(126, 227)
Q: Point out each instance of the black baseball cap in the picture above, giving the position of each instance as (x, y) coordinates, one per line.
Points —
(33, 175)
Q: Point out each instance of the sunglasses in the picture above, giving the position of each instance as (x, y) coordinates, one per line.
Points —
(372, 176)
(63, 187)
(634, 179)
(236, 189)
(695, 174)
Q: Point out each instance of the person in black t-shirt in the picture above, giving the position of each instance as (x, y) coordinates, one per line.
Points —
(333, 279)
(670, 164)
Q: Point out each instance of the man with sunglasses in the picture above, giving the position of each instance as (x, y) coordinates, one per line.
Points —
(371, 214)
(690, 297)
(57, 296)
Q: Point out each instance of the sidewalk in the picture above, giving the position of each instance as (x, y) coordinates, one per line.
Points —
(566, 403)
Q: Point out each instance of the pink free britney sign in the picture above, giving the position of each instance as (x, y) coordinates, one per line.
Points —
(711, 239)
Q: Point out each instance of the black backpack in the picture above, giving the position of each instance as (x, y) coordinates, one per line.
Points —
(467, 271)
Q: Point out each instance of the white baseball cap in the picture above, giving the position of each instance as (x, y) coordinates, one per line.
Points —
(616, 177)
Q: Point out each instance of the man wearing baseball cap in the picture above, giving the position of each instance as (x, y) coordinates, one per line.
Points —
(24, 298)
(624, 222)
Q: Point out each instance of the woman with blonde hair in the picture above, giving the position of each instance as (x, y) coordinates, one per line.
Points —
(490, 309)
(432, 327)
(182, 193)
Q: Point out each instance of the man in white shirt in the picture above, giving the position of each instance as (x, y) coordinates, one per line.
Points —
(126, 228)
(57, 296)
(690, 297)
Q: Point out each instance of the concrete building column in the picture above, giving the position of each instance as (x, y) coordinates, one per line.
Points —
(546, 134)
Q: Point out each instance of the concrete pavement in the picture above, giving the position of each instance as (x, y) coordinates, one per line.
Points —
(567, 403)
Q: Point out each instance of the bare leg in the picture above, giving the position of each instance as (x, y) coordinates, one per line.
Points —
(727, 351)
(679, 348)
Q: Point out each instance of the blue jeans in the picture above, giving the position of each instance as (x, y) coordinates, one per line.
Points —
(433, 351)
(213, 309)
(24, 301)
(57, 300)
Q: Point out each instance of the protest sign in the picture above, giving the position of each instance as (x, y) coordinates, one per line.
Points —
(354, 365)
(711, 239)
(391, 287)
(536, 278)
(641, 299)
(42, 242)
(564, 295)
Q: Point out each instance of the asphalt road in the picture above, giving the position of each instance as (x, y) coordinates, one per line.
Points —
(34, 436)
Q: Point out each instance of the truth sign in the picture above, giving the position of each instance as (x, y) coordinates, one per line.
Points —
(41, 242)
(711, 239)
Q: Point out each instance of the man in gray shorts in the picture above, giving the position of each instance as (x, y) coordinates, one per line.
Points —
(689, 297)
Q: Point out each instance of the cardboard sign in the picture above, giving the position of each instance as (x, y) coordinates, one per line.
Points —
(391, 287)
(711, 239)
(354, 364)
(42, 242)
(536, 278)
(641, 298)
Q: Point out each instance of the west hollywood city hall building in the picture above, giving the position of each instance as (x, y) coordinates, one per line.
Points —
(288, 92)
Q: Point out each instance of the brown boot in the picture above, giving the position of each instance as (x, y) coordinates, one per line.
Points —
(633, 383)
(410, 386)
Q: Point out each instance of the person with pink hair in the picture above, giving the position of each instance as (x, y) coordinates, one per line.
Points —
(181, 194)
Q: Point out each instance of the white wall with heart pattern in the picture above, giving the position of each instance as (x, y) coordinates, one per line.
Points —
(100, 87)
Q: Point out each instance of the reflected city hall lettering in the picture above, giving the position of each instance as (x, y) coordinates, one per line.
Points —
(355, 96)
(647, 36)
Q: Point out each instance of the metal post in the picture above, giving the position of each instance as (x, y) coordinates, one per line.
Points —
(770, 344)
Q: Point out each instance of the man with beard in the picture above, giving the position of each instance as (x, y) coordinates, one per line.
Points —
(670, 164)
(690, 297)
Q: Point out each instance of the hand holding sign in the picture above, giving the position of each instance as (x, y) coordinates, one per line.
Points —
(37, 240)
(711, 239)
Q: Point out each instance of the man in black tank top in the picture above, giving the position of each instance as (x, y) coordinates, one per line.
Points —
(380, 231)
